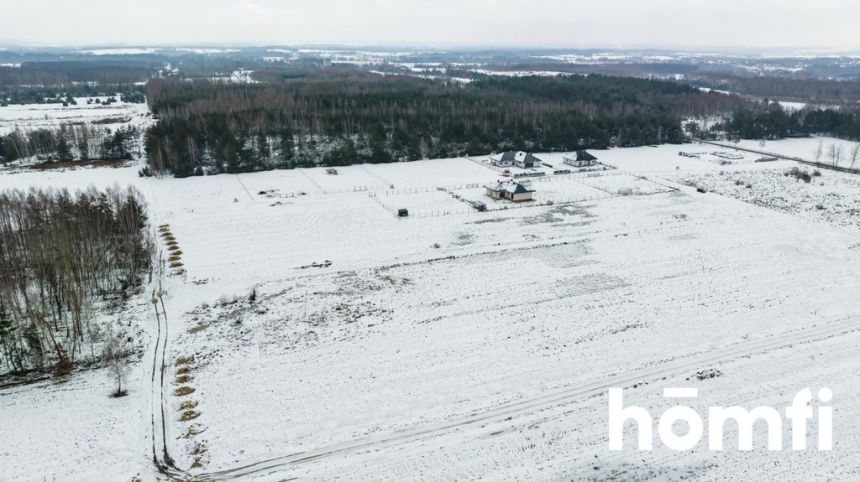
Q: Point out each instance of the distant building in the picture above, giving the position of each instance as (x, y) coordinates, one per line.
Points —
(582, 159)
(519, 159)
(511, 190)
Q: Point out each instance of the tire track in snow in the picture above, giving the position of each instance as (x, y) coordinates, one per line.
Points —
(164, 463)
(547, 400)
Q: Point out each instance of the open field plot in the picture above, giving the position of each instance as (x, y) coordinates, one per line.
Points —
(432, 173)
(209, 191)
(666, 158)
(807, 148)
(601, 289)
(279, 184)
(347, 179)
(421, 202)
(72, 179)
(271, 238)
(625, 183)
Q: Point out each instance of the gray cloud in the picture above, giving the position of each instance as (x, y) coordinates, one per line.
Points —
(521, 23)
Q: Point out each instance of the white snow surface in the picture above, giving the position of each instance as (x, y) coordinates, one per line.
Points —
(373, 339)
(29, 117)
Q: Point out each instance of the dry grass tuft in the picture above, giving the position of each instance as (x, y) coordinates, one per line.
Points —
(183, 391)
(189, 415)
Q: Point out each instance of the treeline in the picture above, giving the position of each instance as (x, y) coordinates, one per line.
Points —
(130, 94)
(59, 254)
(811, 90)
(235, 128)
(71, 74)
(776, 123)
(71, 142)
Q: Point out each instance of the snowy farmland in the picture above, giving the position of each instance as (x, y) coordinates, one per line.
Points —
(28, 117)
(824, 150)
(457, 344)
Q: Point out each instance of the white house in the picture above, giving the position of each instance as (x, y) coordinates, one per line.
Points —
(511, 190)
(582, 159)
(520, 159)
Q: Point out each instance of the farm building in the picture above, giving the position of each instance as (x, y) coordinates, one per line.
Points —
(582, 159)
(510, 189)
(520, 159)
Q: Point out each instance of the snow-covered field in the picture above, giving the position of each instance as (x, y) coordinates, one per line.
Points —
(828, 196)
(825, 150)
(472, 345)
(29, 117)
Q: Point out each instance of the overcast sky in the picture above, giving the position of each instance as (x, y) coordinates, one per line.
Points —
(830, 24)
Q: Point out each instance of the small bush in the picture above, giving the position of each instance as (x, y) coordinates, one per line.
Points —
(183, 379)
(799, 174)
(176, 264)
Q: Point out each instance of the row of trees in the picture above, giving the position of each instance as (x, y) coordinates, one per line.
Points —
(835, 154)
(295, 123)
(71, 142)
(59, 254)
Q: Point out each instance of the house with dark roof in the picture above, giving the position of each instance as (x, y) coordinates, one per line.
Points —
(581, 159)
(519, 159)
(511, 190)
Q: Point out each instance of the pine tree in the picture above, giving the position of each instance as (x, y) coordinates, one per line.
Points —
(64, 152)
(288, 148)
(7, 338)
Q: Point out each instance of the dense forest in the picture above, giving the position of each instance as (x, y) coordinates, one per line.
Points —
(70, 74)
(296, 122)
(776, 123)
(809, 90)
(59, 254)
